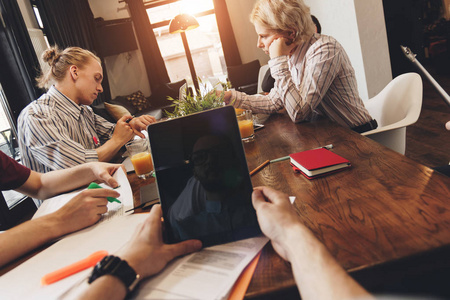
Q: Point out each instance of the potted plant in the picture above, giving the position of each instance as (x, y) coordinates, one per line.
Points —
(196, 103)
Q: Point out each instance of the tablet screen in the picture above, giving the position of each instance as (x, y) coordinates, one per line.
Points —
(202, 178)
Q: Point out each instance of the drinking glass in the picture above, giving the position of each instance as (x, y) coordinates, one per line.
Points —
(139, 151)
(245, 122)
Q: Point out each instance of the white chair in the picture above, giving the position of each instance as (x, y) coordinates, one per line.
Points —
(262, 72)
(395, 107)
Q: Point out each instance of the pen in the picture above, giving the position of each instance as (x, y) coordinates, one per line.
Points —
(96, 142)
(145, 205)
(94, 185)
(128, 121)
(259, 167)
(76, 267)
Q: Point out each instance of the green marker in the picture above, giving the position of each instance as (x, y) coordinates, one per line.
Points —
(94, 185)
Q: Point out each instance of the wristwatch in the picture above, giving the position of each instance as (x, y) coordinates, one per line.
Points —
(113, 265)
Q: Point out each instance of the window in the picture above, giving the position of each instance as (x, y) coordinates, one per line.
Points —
(204, 41)
(7, 132)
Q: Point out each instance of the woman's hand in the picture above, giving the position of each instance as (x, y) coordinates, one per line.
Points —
(226, 96)
(281, 46)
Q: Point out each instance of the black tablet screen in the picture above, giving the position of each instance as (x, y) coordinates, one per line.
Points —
(202, 178)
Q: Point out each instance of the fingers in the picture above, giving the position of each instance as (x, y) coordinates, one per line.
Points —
(138, 133)
(258, 198)
(100, 193)
(272, 195)
(184, 247)
(154, 221)
(227, 97)
(140, 123)
(124, 118)
(107, 178)
(149, 119)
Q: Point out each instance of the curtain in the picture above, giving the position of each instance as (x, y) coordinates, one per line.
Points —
(19, 65)
(70, 23)
(154, 63)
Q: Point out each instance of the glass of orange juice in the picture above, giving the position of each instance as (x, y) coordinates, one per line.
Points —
(139, 151)
(239, 111)
(245, 123)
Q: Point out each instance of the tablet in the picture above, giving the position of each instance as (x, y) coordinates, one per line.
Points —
(202, 177)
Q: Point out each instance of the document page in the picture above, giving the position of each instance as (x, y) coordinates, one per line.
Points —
(207, 274)
(114, 209)
(24, 281)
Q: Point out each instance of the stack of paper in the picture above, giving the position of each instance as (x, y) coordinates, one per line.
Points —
(114, 209)
(208, 274)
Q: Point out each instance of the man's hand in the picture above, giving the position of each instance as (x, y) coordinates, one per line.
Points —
(84, 209)
(104, 171)
(146, 253)
(280, 47)
(123, 131)
(140, 123)
(276, 216)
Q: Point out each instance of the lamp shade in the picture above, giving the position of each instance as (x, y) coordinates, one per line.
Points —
(182, 22)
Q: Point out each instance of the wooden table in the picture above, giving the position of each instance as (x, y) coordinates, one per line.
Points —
(384, 208)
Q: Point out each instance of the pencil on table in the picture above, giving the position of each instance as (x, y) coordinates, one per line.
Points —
(261, 166)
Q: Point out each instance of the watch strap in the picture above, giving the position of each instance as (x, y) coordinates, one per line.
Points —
(114, 266)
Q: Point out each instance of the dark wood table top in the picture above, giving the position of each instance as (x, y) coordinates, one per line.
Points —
(385, 207)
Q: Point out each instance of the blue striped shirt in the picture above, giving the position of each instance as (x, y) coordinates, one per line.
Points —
(56, 133)
(317, 79)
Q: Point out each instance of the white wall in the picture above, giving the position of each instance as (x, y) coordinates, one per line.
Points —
(244, 32)
(374, 45)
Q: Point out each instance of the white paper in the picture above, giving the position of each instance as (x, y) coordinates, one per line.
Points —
(23, 282)
(114, 209)
(207, 274)
(128, 164)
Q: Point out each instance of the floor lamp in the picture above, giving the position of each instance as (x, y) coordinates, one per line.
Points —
(179, 24)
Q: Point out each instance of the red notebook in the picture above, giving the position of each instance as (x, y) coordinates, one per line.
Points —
(313, 163)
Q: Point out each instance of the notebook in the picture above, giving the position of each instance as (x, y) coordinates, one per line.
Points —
(316, 162)
(202, 178)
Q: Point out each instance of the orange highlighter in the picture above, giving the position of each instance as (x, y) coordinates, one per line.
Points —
(76, 267)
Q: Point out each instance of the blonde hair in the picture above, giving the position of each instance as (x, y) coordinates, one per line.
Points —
(284, 15)
(60, 61)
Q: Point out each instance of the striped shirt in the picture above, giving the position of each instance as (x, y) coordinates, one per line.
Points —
(56, 133)
(317, 79)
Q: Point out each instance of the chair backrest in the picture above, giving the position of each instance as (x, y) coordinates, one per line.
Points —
(245, 76)
(395, 107)
(400, 99)
(262, 73)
